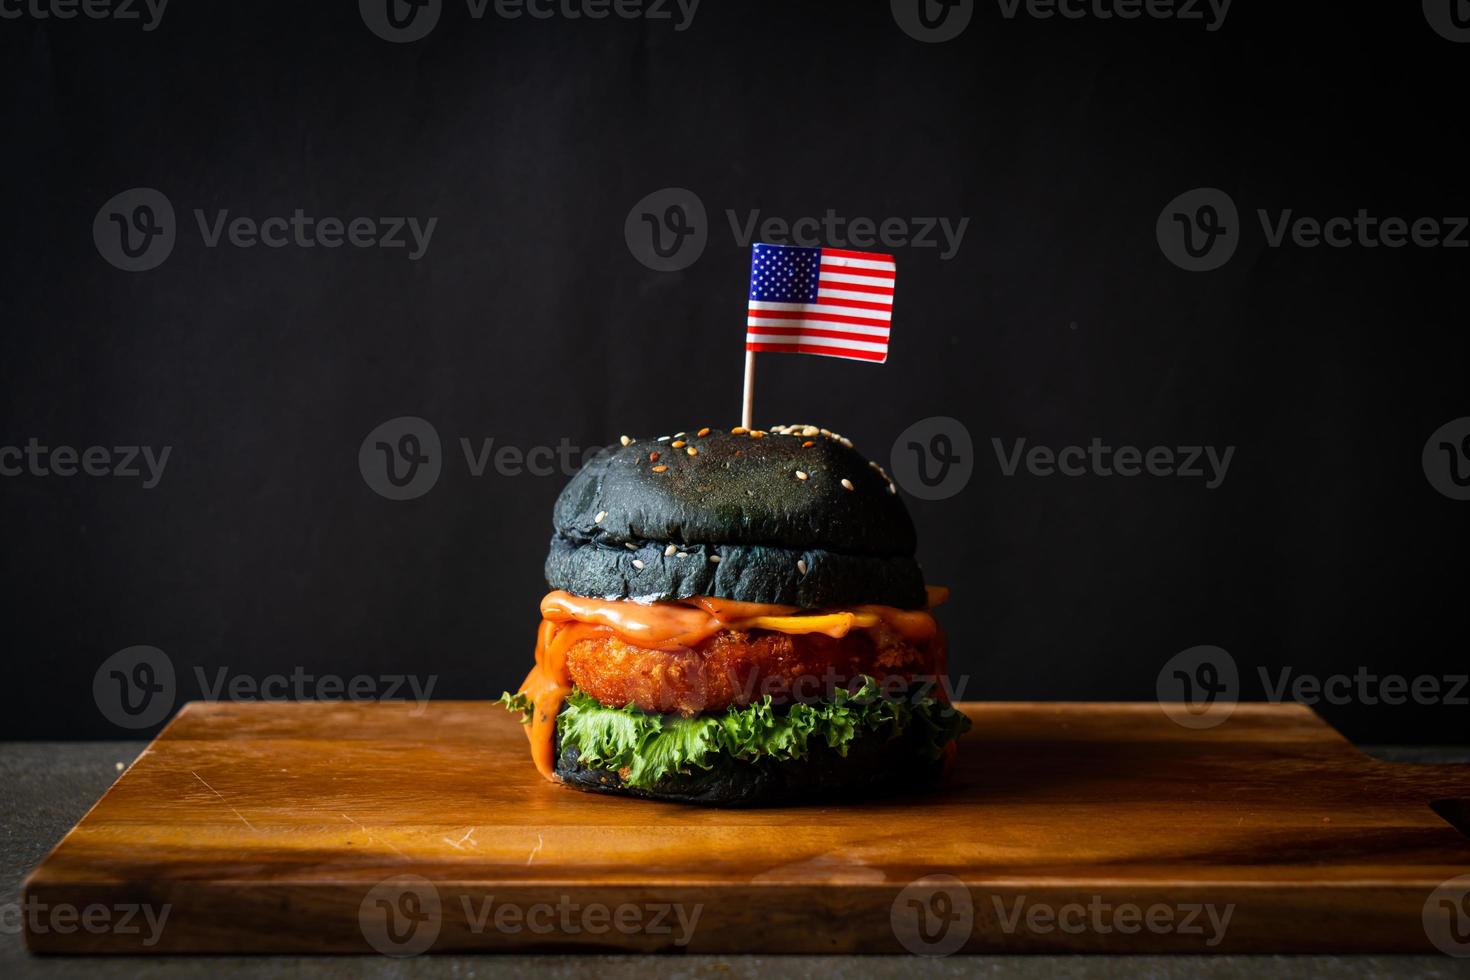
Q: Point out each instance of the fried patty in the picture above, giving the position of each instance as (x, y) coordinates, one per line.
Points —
(738, 667)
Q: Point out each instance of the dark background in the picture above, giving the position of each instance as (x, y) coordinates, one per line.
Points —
(528, 320)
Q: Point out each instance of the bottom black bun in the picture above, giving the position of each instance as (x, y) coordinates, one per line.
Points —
(875, 765)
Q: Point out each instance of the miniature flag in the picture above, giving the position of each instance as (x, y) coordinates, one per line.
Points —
(820, 301)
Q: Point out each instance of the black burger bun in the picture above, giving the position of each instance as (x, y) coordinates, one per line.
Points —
(793, 516)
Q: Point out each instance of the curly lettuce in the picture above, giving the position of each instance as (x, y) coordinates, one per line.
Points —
(645, 747)
(518, 704)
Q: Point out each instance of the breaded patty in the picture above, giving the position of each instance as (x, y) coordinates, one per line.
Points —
(738, 667)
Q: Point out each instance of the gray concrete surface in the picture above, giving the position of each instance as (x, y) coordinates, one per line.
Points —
(48, 786)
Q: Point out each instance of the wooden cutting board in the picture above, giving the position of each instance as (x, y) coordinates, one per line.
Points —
(303, 828)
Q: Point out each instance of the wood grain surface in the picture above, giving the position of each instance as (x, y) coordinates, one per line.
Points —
(314, 827)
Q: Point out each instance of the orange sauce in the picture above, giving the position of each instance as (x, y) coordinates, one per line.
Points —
(568, 619)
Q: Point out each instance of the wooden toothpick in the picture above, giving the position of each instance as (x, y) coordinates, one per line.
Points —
(747, 406)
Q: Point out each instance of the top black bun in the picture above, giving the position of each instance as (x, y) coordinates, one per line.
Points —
(737, 522)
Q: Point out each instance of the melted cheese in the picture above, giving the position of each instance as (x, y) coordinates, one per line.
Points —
(568, 619)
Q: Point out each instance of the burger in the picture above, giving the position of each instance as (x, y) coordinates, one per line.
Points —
(737, 618)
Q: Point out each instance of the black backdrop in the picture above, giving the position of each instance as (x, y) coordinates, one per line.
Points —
(263, 548)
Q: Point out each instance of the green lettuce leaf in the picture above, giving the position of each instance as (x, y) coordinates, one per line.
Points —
(518, 704)
(650, 746)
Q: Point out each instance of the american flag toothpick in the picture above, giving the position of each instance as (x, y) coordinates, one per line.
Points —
(828, 301)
